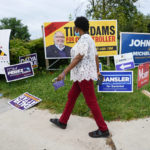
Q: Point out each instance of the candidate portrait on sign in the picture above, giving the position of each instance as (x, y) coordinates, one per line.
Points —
(58, 50)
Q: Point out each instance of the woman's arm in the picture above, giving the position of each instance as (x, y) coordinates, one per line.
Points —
(97, 63)
(74, 62)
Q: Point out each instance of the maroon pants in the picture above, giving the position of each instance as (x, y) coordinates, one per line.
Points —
(87, 88)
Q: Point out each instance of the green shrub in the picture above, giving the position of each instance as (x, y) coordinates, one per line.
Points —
(18, 48)
(37, 46)
(21, 48)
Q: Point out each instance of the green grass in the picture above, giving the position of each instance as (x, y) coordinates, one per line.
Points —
(114, 106)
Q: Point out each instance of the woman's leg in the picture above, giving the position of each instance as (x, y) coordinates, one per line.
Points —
(87, 88)
(72, 96)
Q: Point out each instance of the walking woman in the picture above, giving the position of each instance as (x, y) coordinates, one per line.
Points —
(84, 68)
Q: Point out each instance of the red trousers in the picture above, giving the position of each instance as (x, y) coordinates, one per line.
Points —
(87, 88)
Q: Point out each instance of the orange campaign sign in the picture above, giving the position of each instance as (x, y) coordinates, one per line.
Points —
(103, 32)
(143, 74)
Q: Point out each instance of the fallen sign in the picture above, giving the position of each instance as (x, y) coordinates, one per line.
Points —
(25, 101)
(146, 93)
(1, 94)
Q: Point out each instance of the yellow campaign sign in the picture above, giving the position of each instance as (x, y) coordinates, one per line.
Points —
(103, 32)
(67, 29)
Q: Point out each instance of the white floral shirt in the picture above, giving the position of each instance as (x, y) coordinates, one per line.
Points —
(86, 69)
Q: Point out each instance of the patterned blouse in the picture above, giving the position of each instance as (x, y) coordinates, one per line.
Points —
(86, 69)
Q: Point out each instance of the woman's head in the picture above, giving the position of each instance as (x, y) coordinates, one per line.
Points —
(82, 23)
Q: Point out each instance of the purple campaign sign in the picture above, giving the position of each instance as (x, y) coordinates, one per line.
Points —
(30, 58)
(25, 101)
(125, 66)
(18, 71)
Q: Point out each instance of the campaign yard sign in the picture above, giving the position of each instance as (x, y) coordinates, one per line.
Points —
(18, 71)
(117, 81)
(24, 101)
(143, 74)
(103, 32)
(138, 44)
(30, 58)
(100, 67)
(124, 61)
(4, 49)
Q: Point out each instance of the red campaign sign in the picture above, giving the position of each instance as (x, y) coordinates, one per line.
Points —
(143, 74)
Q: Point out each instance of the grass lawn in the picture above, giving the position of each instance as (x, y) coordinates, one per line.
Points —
(114, 106)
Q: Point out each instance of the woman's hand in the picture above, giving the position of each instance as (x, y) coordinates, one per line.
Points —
(98, 74)
(61, 76)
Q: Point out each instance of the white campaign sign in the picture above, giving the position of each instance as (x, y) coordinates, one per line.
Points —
(124, 61)
(4, 49)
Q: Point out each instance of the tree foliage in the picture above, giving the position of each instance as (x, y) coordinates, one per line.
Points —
(18, 48)
(18, 30)
(126, 13)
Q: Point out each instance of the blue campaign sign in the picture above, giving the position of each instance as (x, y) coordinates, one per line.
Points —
(138, 44)
(100, 67)
(117, 81)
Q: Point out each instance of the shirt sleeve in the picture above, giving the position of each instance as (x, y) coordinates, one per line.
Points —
(96, 53)
(82, 48)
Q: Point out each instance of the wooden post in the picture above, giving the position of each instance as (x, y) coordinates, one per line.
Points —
(108, 61)
(146, 93)
(47, 63)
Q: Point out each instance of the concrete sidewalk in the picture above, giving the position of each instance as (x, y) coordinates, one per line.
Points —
(31, 130)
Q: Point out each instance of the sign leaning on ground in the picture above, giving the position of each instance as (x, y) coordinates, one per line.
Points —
(24, 101)
(124, 61)
(30, 58)
(103, 32)
(117, 81)
(138, 44)
(143, 74)
(4, 49)
(18, 71)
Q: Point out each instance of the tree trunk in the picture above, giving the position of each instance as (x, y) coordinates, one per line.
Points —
(108, 61)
